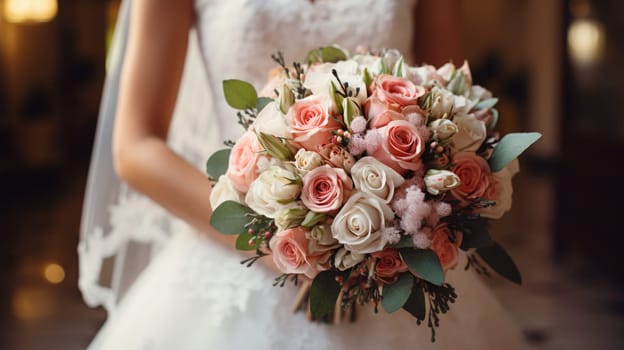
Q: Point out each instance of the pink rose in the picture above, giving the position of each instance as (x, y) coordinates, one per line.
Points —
(392, 93)
(389, 264)
(242, 167)
(276, 78)
(337, 156)
(311, 122)
(441, 244)
(474, 174)
(401, 146)
(325, 189)
(290, 252)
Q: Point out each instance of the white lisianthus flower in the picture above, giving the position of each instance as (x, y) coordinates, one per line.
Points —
(371, 63)
(446, 103)
(273, 191)
(307, 160)
(346, 259)
(443, 129)
(471, 133)
(291, 217)
(438, 181)
(503, 191)
(271, 121)
(223, 191)
(321, 240)
(319, 77)
(359, 225)
(371, 176)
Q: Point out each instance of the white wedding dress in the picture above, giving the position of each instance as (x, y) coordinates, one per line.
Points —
(194, 294)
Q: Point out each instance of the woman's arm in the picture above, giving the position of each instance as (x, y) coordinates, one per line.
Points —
(149, 85)
(438, 32)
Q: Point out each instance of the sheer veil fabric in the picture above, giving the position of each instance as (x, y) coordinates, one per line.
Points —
(164, 284)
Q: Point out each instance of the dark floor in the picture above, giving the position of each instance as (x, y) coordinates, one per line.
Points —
(41, 227)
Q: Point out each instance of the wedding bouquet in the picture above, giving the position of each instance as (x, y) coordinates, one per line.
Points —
(368, 177)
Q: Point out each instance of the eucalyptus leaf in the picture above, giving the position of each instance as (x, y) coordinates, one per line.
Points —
(476, 234)
(242, 242)
(510, 147)
(323, 294)
(217, 164)
(231, 218)
(405, 242)
(395, 295)
(332, 54)
(494, 121)
(424, 263)
(498, 259)
(262, 102)
(240, 94)
(487, 103)
(415, 304)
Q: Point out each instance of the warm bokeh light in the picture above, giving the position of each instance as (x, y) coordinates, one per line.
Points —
(18, 11)
(31, 303)
(54, 273)
(585, 40)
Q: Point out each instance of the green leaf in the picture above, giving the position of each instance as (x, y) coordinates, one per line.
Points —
(498, 259)
(242, 242)
(476, 234)
(405, 242)
(487, 103)
(323, 294)
(231, 218)
(312, 218)
(337, 97)
(424, 263)
(262, 102)
(510, 147)
(399, 68)
(350, 110)
(240, 94)
(395, 295)
(332, 54)
(367, 77)
(415, 304)
(217, 164)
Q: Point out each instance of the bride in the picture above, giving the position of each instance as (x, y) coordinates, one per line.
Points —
(163, 114)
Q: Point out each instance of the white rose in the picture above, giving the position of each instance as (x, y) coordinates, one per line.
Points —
(443, 129)
(504, 191)
(319, 77)
(479, 93)
(345, 259)
(271, 121)
(307, 160)
(223, 191)
(471, 133)
(273, 191)
(360, 222)
(371, 176)
(438, 181)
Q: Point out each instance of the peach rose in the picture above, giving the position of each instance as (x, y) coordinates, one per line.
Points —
(391, 93)
(290, 252)
(401, 148)
(474, 175)
(325, 189)
(389, 264)
(385, 117)
(311, 122)
(441, 244)
(242, 166)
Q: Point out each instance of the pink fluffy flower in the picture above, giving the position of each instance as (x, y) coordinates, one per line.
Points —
(412, 209)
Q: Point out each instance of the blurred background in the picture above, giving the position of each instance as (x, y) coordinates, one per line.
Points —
(555, 64)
